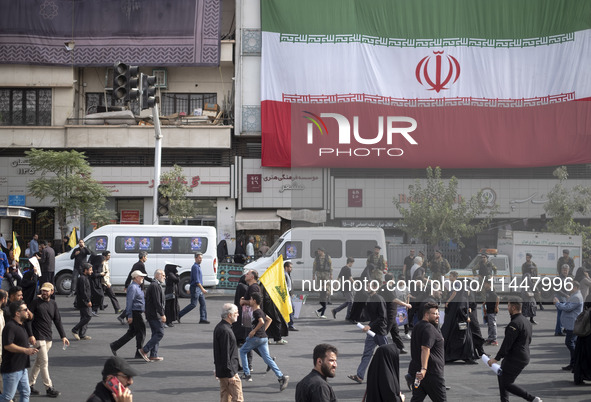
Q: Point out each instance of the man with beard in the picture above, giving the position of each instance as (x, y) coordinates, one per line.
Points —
(515, 353)
(314, 387)
(225, 356)
(15, 357)
(427, 358)
(155, 316)
(118, 374)
(45, 312)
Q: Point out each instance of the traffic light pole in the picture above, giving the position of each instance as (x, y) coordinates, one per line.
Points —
(157, 161)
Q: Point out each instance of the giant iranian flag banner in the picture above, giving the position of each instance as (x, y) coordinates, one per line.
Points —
(410, 84)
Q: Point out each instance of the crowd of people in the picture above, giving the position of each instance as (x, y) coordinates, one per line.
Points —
(253, 322)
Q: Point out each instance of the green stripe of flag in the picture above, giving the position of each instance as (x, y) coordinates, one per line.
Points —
(421, 19)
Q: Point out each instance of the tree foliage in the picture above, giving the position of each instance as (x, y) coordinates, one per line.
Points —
(437, 213)
(66, 180)
(564, 204)
(173, 184)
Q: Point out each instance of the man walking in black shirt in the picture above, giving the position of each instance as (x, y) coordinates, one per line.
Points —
(225, 356)
(45, 312)
(47, 262)
(427, 358)
(314, 387)
(79, 255)
(83, 303)
(15, 357)
(515, 353)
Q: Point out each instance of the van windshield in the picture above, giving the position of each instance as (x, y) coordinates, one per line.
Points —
(274, 247)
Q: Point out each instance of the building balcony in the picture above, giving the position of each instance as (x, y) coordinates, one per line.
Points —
(80, 136)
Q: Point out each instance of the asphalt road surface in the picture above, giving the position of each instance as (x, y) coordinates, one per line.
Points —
(186, 374)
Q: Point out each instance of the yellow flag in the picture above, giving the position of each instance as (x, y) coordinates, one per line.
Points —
(72, 242)
(274, 282)
(16, 248)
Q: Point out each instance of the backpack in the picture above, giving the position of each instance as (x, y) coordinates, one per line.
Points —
(582, 323)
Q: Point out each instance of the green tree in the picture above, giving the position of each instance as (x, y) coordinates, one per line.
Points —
(437, 213)
(67, 182)
(173, 184)
(564, 204)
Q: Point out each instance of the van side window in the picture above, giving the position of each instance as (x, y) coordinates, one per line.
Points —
(359, 248)
(190, 245)
(128, 244)
(97, 244)
(291, 249)
(334, 248)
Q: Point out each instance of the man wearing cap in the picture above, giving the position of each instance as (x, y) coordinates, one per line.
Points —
(116, 370)
(83, 303)
(138, 266)
(136, 304)
(379, 264)
(45, 312)
(485, 269)
(565, 259)
(439, 266)
(197, 291)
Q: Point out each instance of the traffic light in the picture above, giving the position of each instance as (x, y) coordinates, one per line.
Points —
(148, 99)
(125, 82)
(163, 203)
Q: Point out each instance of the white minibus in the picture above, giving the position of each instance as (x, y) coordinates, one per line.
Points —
(176, 244)
(299, 245)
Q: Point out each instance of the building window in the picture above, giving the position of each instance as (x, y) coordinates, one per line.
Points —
(95, 103)
(178, 103)
(25, 107)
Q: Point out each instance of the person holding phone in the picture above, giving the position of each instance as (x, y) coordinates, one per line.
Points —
(117, 378)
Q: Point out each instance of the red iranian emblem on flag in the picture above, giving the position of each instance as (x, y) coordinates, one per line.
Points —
(439, 82)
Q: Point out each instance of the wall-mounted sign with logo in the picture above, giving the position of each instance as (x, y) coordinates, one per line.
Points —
(17, 200)
(488, 197)
(355, 197)
(130, 216)
(254, 183)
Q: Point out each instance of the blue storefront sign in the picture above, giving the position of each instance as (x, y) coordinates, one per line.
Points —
(16, 200)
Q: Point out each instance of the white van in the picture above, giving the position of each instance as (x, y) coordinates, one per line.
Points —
(299, 245)
(172, 243)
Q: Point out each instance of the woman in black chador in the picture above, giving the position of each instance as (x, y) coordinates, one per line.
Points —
(171, 294)
(383, 375)
(456, 327)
